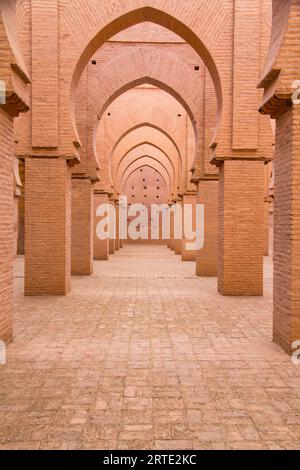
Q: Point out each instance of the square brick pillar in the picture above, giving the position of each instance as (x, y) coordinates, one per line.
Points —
(286, 321)
(118, 241)
(189, 255)
(112, 241)
(112, 246)
(267, 227)
(101, 247)
(82, 227)
(172, 240)
(178, 242)
(241, 228)
(206, 259)
(6, 226)
(47, 226)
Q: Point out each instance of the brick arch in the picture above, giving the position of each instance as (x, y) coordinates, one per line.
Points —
(151, 165)
(101, 25)
(139, 151)
(145, 65)
(139, 135)
(159, 118)
(161, 69)
(145, 124)
(134, 178)
(146, 161)
(194, 106)
(143, 136)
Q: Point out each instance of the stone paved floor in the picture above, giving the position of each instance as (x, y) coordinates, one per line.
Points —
(146, 355)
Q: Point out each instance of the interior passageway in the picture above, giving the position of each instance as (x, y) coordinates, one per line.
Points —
(149, 182)
(145, 354)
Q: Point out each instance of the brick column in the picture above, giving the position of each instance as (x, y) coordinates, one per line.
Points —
(189, 255)
(112, 241)
(178, 242)
(101, 247)
(6, 226)
(172, 241)
(117, 242)
(241, 228)
(47, 226)
(21, 211)
(17, 196)
(206, 259)
(266, 226)
(112, 246)
(82, 227)
(286, 322)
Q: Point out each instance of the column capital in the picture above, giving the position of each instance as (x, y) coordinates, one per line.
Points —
(276, 105)
(220, 159)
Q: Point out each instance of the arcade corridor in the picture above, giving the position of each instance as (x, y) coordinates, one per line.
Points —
(149, 224)
(146, 355)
